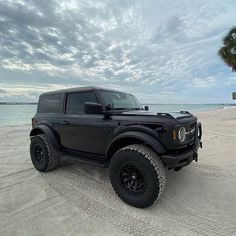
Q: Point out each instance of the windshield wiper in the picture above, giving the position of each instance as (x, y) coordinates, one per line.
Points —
(136, 108)
(129, 109)
(125, 108)
(119, 108)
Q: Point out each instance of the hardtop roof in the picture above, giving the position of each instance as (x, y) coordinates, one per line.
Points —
(77, 89)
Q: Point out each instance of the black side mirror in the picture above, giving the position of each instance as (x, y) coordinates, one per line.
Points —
(146, 108)
(93, 108)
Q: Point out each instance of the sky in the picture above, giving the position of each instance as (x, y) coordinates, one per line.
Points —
(162, 51)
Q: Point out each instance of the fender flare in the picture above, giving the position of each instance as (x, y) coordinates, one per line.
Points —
(144, 137)
(48, 132)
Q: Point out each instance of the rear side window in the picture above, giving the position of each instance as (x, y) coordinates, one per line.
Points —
(49, 103)
(75, 102)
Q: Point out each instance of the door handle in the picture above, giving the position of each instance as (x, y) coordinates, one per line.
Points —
(64, 122)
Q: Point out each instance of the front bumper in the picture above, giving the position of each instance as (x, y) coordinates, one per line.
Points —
(183, 159)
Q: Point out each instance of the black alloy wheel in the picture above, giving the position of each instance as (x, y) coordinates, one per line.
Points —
(39, 153)
(43, 155)
(137, 175)
(133, 178)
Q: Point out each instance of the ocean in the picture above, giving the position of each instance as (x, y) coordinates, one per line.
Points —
(22, 114)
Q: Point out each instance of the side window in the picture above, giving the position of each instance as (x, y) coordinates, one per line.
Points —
(75, 102)
(49, 103)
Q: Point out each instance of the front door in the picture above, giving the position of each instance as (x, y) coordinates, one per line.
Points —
(79, 131)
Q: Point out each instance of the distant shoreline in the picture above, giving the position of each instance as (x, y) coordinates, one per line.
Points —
(164, 104)
(159, 104)
(18, 103)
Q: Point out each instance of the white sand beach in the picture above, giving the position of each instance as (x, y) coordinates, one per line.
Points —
(77, 199)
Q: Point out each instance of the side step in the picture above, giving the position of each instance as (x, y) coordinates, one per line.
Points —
(87, 158)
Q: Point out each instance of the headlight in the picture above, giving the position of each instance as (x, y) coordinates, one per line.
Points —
(182, 134)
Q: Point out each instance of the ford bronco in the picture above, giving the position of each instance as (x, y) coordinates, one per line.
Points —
(111, 129)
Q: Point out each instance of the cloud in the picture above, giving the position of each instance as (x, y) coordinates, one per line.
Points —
(163, 48)
(2, 91)
(206, 83)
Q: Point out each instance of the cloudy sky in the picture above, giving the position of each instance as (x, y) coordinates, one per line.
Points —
(163, 51)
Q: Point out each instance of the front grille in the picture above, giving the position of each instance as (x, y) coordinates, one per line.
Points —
(191, 131)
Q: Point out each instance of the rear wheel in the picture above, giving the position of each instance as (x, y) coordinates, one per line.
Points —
(43, 155)
(137, 175)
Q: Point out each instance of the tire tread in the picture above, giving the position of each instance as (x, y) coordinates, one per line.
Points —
(53, 155)
(154, 160)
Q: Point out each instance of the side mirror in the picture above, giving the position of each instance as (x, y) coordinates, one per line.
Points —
(93, 108)
(146, 108)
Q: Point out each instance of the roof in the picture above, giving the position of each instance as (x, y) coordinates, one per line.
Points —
(77, 89)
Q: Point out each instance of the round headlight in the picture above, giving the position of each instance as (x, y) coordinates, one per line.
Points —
(182, 134)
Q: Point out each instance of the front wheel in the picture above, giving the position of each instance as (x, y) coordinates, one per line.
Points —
(137, 175)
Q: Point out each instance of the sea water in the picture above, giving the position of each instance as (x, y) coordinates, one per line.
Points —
(16, 114)
(22, 114)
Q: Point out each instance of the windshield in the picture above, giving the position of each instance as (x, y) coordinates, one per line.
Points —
(119, 101)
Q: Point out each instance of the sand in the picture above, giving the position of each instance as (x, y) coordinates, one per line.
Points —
(77, 199)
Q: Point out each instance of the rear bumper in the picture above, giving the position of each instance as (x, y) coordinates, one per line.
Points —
(183, 159)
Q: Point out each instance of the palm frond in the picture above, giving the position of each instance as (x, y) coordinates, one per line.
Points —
(228, 52)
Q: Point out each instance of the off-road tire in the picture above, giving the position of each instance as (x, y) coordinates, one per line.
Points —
(51, 157)
(151, 167)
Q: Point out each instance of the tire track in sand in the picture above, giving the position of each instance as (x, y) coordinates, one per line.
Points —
(95, 197)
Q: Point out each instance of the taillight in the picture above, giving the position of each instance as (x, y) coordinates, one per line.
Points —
(33, 122)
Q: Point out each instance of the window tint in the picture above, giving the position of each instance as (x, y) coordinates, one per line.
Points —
(49, 103)
(119, 100)
(75, 102)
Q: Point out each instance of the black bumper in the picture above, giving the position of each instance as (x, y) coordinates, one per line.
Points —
(183, 159)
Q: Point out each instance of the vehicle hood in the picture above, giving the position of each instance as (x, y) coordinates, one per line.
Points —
(175, 115)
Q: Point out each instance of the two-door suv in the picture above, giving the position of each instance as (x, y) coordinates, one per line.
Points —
(111, 129)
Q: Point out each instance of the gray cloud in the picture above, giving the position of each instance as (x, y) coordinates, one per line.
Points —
(148, 47)
(2, 91)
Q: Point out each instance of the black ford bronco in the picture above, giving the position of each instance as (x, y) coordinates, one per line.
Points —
(111, 129)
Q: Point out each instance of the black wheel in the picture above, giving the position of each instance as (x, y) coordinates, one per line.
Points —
(43, 155)
(137, 175)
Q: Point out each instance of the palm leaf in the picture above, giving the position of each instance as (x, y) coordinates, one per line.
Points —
(228, 51)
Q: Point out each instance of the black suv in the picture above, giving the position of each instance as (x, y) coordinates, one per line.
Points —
(111, 129)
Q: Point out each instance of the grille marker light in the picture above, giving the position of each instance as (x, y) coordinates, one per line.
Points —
(174, 135)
